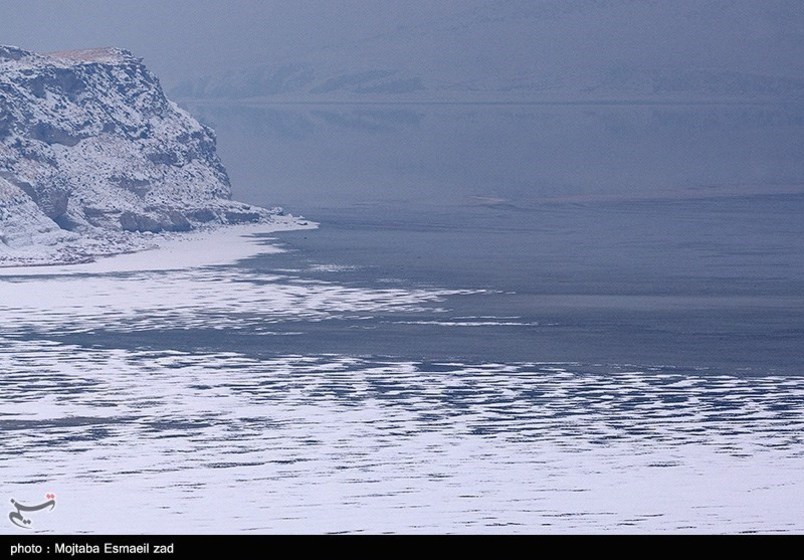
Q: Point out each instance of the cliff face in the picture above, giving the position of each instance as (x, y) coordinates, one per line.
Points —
(92, 154)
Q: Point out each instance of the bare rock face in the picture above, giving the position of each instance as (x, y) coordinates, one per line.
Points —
(91, 149)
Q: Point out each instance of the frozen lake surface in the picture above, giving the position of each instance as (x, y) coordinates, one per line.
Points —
(532, 351)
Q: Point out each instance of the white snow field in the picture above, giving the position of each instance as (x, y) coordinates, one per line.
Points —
(133, 439)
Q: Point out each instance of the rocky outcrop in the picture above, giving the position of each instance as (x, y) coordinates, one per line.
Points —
(90, 148)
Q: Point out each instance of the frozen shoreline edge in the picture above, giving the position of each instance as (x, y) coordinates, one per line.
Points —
(204, 247)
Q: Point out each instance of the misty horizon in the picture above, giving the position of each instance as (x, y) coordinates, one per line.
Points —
(187, 40)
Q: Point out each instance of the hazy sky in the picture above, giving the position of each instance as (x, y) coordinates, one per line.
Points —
(186, 38)
(189, 38)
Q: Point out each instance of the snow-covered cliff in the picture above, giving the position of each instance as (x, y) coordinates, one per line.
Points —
(94, 157)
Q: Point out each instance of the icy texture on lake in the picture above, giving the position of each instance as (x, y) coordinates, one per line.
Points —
(169, 441)
(133, 439)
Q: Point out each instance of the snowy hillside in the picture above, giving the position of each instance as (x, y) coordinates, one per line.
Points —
(94, 158)
(546, 50)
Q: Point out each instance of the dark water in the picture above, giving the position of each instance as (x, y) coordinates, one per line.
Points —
(600, 285)
(649, 234)
(335, 156)
(666, 234)
(592, 283)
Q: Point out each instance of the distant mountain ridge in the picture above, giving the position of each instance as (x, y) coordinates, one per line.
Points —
(546, 50)
(93, 155)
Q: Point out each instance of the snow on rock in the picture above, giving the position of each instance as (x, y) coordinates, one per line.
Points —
(94, 157)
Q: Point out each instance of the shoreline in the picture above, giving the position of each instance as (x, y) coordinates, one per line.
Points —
(206, 247)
